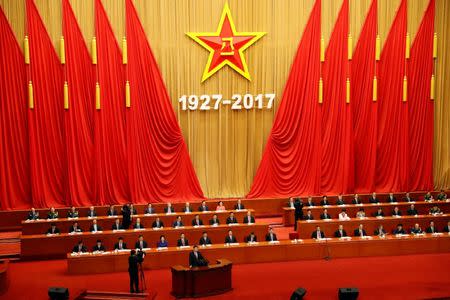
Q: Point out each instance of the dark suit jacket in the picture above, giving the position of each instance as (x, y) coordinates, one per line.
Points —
(115, 227)
(212, 222)
(356, 232)
(230, 240)
(378, 214)
(52, 215)
(430, 230)
(140, 225)
(197, 261)
(310, 204)
(416, 231)
(194, 222)
(179, 244)
(236, 206)
(201, 208)
(405, 199)
(166, 209)
(83, 249)
(306, 217)
(396, 231)
(338, 234)
(324, 202)
(185, 209)
(116, 245)
(399, 213)
(231, 220)
(175, 224)
(113, 213)
(32, 216)
(314, 234)
(372, 200)
(137, 245)
(91, 214)
(99, 228)
(72, 214)
(71, 229)
(133, 261)
(202, 241)
(412, 212)
(377, 231)
(446, 229)
(389, 200)
(161, 224)
(56, 231)
(354, 201)
(150, 211)
(274, 237)
(323, 216)
(248, 239)
(252, 219)
(97, 248)
(340, 202)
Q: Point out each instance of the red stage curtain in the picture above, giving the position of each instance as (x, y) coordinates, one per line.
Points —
(111, 175)
(160, 168)
(421, 108)
(46, 120)
(392, 148)
(291, 161)
(79, 118)
(364, 108)
(337, 128)
(15, 189)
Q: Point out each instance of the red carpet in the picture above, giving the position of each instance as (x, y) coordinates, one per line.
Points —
(398, 277)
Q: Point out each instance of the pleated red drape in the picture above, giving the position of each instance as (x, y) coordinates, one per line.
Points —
(79, 118)
(364, 108)
(46, 120)
(159, 164)
(392, 146)
(111, 174)
(15, 189)
(337, 165)
(421, 108)
(291, 160)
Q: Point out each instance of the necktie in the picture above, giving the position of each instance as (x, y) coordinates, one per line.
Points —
(318, 235)
(196, 255)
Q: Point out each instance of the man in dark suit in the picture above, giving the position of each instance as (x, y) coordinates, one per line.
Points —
(196, 259)
(447, 228)
(178, 222)
(391, 198)
(416, 229)
(356, 199)
(79, 248)
(325, 215)
(298, 212)
(271, 236)
(197, 221)
(340, 232)
(396, 212)
(140, 243)
(111, 211)
(239, 205)
(133, 210)
(126, 216)
(290, 203)
(399, 229)
(380, 231)
(373, 199)
(157, 223)
(91, 212)
(75, 228)
(205, 240)
(98, 247)
(324, 201)
(203, 207)
(52, 214)
(251, 238)
(73, 213)
(379, 213)
(229, 239)
(340, 200)
(133, 270)
(117, 225)
(138, 224)
(318, 234)
(431, 228)
(187, 208)
(33, 214)
(53, 229)
(308, 215)
(214, 221)
(182, 241)
(310, 202)
(120, 245)
(169, 209)
(408, 198)
(360, 231)
(94, 227)
(232, 219)
(149, 210)
(249, 219)
(412, 211)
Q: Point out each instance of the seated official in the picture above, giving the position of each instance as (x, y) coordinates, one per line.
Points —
(318, 234)
(162, 243)
(52, 214)
(310, 202)
(391, 198)
(117, 225)
(196, 259)
(214, 221)
(399, 229)
(360, 231)
(205, 240)
(187, 208)
(138, 224)
(182, 241)
(169, 209)
(33, 214)
(412, 211)
(111, 211)
(79, 248)
(75, 228)
(324, 201)
(239, 205)
(157, 223)
(435, 210)
(380, 231)
(447, 228)
(73, 213)
(232, 219)
(441, 196)
(325, 215)
(428, 197)
(308, 215)
(98, 247)
(271, 236)
(340, 232)
(356, 200)
(432, 228)
(220, 206)
(203, 207)
(120, 245)
(140, 243)
(95, 227)
(373, 199)
(249, 219)
(197, 221)
(149, 210)
(340, 200)
(396, 212)
(251, 238)
(229, 239)
(290, 203)
(343, 215)
(408, 198)
(91, 212)
(379, 213)
(178, 222)
(53, 229)
(416, 229)
(361, 213)
(133, 210)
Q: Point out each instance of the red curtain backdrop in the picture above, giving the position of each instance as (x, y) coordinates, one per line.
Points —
(160, 168)
(291, 161)
(337, 128)
(111, 175)
(421, 108)
(364, 108)
(79, 118)
(15, 188)
(46, 120)
(392, 147)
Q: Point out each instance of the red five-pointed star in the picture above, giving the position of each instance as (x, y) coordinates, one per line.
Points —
(226, 46)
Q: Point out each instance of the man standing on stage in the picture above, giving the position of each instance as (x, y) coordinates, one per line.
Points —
(133, 269)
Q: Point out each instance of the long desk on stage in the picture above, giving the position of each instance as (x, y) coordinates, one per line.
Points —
(422, 208)
(56, 246)
(286, 250)
(305, 228)
(42, 225)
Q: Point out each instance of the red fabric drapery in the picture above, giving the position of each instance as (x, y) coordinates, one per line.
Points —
(421, 108)
(15, 189)
(364, 108)
(337, 128)
(159, 164)
(79, 118)
(291, 160)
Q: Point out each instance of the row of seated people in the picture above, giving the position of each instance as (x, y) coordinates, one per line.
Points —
(149, 210)
(181, 242)
(396, 212)
(197, 221)
(373, 199)
(380, 231)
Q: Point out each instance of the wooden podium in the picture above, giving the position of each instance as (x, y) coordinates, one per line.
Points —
(201, 281)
